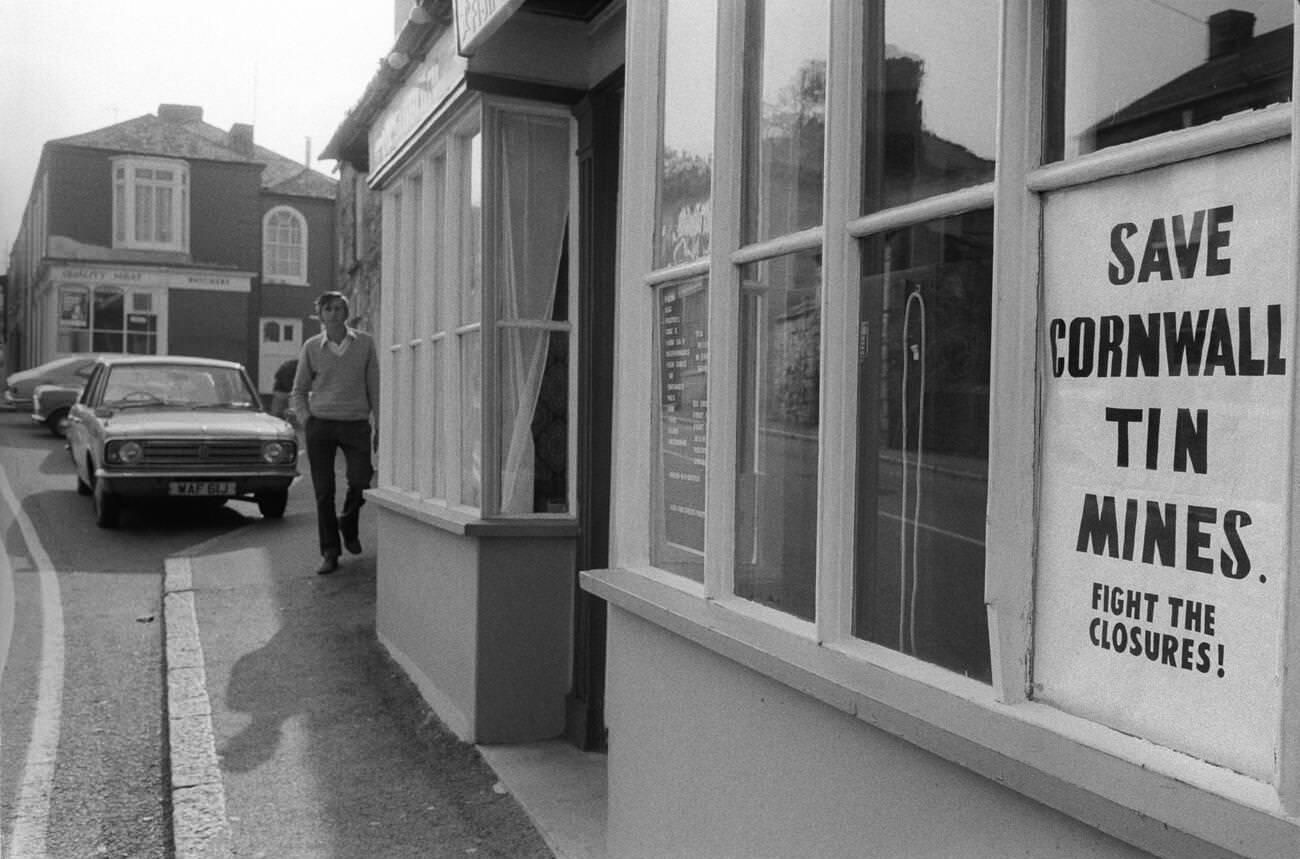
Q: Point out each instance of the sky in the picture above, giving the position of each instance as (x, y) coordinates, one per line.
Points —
(290, 68)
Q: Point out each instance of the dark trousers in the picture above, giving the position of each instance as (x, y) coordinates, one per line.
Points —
(325, 438)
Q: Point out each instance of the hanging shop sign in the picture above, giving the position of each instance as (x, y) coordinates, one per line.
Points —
(423, 94)
(477, 20)
(1169, 311)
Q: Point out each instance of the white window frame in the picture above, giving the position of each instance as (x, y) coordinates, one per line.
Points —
(422, 324)
(1160, 800)
(299, 275)
(125, 200)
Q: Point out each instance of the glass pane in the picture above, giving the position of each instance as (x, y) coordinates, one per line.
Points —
(1111, 80)
(109, 309)
(684, 208)
(786, 43)
(776, 462)
(931, 99)
(433, 438)
(164, 210)
(144, 217)
(471, 234)
(681, 380)
(923, 427)
(471, 419)
(534, 421)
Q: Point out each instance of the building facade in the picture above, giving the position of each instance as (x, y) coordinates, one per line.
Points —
(908, 388)
(166, 235)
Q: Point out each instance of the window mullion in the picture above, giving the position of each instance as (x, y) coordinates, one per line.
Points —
(840, 311)
(1013, 408)
(454, 207)
(724, 306)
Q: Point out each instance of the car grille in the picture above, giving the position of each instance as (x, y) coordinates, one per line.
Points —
(160, 452)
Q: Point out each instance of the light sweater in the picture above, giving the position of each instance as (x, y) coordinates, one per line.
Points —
(337, 387)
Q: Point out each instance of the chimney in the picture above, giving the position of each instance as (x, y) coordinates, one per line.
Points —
(1230, 31)
(241, 139)
(180, 113)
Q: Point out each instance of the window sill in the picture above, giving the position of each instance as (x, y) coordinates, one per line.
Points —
(1158, 800)
(467, 522)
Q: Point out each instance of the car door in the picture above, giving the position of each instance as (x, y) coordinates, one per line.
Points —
(80, 417)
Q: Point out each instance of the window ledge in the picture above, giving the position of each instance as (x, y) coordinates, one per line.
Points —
(467, 522)
(1158, 800)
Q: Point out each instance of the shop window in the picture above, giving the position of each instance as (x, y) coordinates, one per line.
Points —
(107, 319)
(923, 442)
(492, 434)
(284, 246)
(786, 47)
(151, 204)
(1107, 84)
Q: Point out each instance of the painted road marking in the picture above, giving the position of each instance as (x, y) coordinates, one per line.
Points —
(32, 814)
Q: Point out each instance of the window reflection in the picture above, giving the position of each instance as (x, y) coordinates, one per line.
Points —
(923, 427)
(931, 98)
(684, 209)
(1124, 70)
(780, 414)
(786, 43)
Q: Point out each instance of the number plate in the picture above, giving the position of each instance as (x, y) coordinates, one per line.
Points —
(201, 488)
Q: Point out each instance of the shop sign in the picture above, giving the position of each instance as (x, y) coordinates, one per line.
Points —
(1169, 312)
(217, 282)
(477, 20)
(683, 373)
(423, 92)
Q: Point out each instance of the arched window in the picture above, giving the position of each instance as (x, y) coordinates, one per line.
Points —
(284, 245)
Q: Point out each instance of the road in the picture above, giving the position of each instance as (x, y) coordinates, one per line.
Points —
(81, 697)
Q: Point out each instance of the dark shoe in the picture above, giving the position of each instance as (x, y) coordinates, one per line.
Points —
(329, 564)
(353, 545)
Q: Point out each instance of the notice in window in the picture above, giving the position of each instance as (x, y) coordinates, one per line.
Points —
(683, 373)
(1169, 310)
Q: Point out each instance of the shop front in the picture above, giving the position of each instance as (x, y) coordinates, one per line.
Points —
(485, 159)
(954, 434)
(141, 310)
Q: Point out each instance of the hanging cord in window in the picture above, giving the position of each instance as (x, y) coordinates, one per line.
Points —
(906, 595)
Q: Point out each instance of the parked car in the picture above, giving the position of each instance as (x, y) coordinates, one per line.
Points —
(70, 370)
(51, 404)
(164, 426)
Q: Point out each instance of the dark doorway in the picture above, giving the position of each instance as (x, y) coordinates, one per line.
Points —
(599, 118)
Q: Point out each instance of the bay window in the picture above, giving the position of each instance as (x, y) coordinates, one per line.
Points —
(478, 329)
(151, 204)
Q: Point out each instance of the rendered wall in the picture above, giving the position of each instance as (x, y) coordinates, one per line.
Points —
(710, 759)
(482, 625)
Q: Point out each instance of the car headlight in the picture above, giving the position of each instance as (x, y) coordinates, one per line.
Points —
(124, 452)
(278, 452)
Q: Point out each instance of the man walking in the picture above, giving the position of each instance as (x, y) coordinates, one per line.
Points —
(335, 391)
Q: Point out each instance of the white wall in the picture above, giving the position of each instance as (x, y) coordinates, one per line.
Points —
(709, 759)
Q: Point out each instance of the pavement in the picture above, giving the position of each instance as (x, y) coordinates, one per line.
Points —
(291, 733)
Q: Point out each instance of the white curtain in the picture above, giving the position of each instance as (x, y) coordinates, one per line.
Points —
(534, 159)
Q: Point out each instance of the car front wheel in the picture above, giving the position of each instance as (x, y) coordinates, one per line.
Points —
(108, 507)
(271, 504)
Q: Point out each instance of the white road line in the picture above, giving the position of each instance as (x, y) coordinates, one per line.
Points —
(32, 814)
(936, 529)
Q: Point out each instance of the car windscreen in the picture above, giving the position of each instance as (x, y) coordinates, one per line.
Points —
(176, 385)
